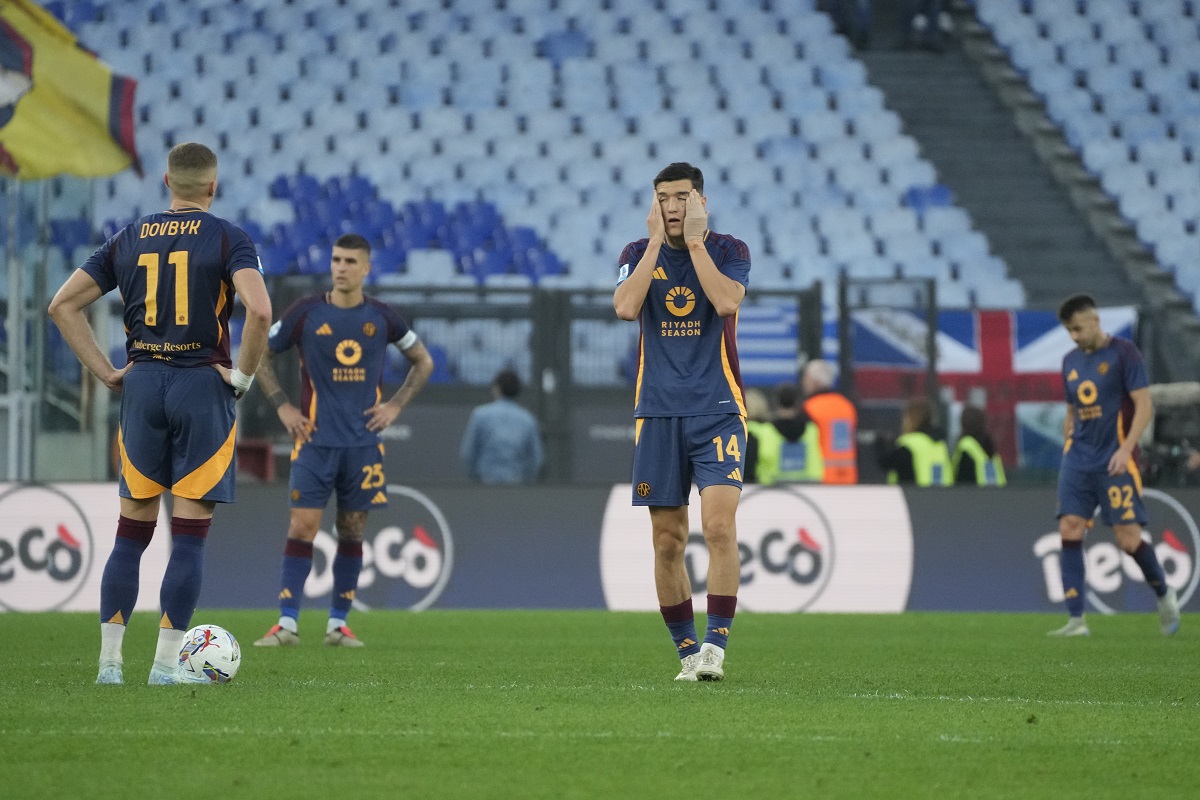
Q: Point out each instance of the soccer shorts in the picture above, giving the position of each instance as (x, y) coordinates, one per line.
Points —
(356, 473)
(178, 432)
(671, 452)
(1118, 496)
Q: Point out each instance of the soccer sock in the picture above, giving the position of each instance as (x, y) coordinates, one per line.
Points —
(185, 572)
(720, 619)
(681, 622)
(1071, 565)
(297, 563)
(1151, 569)
(346, 566)
(170, 642)
(119, 584)
(111, 636)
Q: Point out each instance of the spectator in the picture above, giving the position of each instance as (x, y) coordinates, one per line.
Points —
(502, 443)
(836, 420)
(920, 455)
(975, 461)
(789, 449)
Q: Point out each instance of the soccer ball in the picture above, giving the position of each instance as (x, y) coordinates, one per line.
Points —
(210, 654)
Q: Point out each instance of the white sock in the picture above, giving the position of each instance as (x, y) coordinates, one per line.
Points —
(111, 636)
(333, 624)
(170, 642)
(288, 624)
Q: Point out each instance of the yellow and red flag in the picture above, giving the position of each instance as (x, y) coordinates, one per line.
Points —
(62, 110)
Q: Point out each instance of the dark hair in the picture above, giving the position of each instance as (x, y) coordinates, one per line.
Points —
(786, 395)
(508, 382)
(681, 171)
(974, 424)
(1073, 305)
(352, 241)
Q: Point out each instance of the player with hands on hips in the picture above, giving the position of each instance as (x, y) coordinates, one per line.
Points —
(342, 336)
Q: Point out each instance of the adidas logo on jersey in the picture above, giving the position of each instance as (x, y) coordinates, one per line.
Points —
(379, 497)
(325, 330)
(660, 274)
(736, 475)
(1073, 376)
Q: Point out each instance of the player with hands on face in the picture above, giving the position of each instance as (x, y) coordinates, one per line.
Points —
(684, 285)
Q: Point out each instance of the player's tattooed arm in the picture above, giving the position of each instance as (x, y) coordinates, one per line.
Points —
(381, 415)
(298, 426)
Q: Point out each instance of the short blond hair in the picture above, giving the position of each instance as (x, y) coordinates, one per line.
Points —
(191, 167)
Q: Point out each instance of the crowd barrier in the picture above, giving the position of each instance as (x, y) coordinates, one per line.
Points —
(873, 549)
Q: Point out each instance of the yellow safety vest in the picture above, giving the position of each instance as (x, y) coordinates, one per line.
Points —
(783, 460)
(988, 471)
(930, 457)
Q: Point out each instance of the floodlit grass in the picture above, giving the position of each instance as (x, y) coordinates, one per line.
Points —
(582, 704)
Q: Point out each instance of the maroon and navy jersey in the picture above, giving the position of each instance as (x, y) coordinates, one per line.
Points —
(342, 355)
(1098, 386)
(175, 272)
(687, 354)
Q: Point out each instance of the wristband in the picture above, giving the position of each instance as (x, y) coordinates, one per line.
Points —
(241, 382)
(278, 398)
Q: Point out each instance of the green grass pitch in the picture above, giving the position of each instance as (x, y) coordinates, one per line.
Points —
(450, 704)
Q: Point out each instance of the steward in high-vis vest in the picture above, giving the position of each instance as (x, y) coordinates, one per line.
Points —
(975, 460)
(836, 420)
(974, 467)
(920, 455)
(789, 448)
(930, 460)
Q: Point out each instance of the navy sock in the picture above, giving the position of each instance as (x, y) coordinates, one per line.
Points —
(720, 619)
(122, 571)
(297, 563)
(1071, 565)
(681, 622)
(346, 566)
(1147, 559)
(185, 572)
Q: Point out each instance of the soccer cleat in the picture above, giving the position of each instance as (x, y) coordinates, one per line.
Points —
(342, 637)
(278, 636)
(710, 663)
(110, 673)
(688, 664)
(1076, 626)
(1168, 612)
(164, 677)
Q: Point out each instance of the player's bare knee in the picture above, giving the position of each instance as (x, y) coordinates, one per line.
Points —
(668, 544)
(350, 525)
(720, 535)
(1072, 529)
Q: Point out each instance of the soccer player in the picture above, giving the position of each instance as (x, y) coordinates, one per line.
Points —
(684, 284)
(177, 271)
(343, 337)
(1108, 407)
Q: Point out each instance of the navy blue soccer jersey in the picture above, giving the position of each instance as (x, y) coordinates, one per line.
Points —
(175, 272)
(687, 353)
(1098, 387)
(342, 354)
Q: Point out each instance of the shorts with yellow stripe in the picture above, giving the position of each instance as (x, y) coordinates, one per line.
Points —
(671, 452)
(178, 433)
(355, 472)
